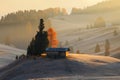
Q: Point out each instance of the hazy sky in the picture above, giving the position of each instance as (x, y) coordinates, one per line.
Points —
(7, 6)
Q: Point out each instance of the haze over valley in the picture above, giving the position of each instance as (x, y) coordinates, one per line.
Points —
(90, 29)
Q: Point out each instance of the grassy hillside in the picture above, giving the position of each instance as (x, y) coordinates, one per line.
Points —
(8, 54)
(74, 65)
(72, 29)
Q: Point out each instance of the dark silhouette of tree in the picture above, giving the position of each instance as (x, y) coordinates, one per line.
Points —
(40, 43)
(107, 48)
(16, 57)
(97, 48)
(31, 48)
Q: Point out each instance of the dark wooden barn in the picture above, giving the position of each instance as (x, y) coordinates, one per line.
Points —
(57, 52)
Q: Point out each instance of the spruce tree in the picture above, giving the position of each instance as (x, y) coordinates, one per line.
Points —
(40, 43)
(97, 48)
(30, 49)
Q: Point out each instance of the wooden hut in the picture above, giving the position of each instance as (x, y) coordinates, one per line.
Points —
(57, 52)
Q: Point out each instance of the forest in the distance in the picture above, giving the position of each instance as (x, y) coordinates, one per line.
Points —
(30, 16)
(105, 6)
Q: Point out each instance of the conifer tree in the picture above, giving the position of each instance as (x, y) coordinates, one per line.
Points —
(30, 49)
(40, 43)
(107, 48)
(97, 48)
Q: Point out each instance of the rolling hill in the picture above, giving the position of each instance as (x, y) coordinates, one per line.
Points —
(102, 7)
(76, 66)
(73, 31)
(8, 54)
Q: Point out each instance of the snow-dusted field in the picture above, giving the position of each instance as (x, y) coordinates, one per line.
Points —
(75, 67)
(72, 29)
(8, 54)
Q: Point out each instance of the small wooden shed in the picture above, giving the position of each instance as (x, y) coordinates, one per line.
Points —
(57, 52)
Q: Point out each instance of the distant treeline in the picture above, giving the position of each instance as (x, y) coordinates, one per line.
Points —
(31, 16)
(106, 6)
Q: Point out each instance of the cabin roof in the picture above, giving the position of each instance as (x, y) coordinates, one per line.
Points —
(57, 49)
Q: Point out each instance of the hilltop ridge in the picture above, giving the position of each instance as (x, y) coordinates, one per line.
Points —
(75, 64)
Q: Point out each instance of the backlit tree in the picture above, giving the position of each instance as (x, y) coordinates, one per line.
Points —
(40, 42)
(53, 42)
(107, 48)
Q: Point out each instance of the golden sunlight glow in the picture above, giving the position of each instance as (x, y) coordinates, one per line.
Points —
(43, 55)
(67, 53)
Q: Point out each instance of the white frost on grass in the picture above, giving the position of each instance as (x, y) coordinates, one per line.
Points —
(8, 54)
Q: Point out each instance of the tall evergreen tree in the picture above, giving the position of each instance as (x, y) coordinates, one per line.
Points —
(40, 43)
(30, 49)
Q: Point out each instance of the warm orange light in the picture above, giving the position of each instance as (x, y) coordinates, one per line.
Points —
(53, 42)
(43, 55)
(67, 53)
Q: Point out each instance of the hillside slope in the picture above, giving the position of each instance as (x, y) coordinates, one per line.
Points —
(102, 7)
(72, 33)
(75, 64)
(8, 54)
(109, 9)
